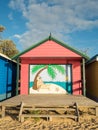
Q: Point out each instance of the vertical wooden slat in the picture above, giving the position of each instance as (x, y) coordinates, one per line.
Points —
(84, 81)
(3, 111)
(77, 111)
(20, 113)
(96, 111)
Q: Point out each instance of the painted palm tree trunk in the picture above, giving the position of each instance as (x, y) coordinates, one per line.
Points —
(51, 70)
(35, 79)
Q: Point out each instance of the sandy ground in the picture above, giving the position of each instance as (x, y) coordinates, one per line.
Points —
(10, 122)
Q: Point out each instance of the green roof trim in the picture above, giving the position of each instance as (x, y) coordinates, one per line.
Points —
(31, 47)
(70, 48)
(93, 59)
(55, 40)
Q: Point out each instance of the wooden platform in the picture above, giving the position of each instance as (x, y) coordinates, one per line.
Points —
(51, 102)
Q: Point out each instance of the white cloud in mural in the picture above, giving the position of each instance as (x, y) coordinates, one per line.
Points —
(46, 77)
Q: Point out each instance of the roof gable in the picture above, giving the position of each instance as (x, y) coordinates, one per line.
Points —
(50, 47)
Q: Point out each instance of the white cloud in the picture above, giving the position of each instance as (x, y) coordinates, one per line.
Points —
(17, 4)
(59, 17)
(10, 16)
(17, 36)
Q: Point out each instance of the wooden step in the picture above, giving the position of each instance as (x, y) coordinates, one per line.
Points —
(2, 111)
(47, 109)
(24, 107)
(46, 115)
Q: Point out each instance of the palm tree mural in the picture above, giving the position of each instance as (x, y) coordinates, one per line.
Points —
(51, 70)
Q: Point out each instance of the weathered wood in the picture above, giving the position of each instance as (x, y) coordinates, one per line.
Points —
(77, 111)
(3, 111)
(49, 103)
(47, 109)
(21, 118)
(41, 100)
(0, 110)
(21, 110)
(96, 109)
(49, 117)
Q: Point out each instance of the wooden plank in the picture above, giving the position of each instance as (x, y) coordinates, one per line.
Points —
(47, 102)
(47, 115)
(21, 109)
(0, 110)
(96, 109)
(3, 111)
(47, 109)
(41, 100)
(21, 118)
(77, 111)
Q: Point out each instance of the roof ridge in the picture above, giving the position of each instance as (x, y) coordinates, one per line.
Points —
(70, 47)
(57, 41)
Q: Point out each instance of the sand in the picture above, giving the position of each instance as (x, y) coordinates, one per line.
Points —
(49, 89)
(10, 122)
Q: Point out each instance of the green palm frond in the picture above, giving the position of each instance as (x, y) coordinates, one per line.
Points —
(37, 68)
(59, 68)
(51, 72)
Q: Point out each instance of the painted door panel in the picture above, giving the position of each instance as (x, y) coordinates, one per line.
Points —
(61, 81)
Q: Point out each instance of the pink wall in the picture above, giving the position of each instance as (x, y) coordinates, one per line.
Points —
(24, 79)
(76, 75)
(76, 78)
(51, 53)
(54, 60)
(50, 49)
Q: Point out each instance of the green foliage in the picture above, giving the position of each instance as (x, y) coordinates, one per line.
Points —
(59, 68)
(8, 48)
(37, 68)
(2, 28)
(51, 72)
(35, 112)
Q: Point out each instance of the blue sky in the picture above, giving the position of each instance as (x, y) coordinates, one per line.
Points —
(73, 21)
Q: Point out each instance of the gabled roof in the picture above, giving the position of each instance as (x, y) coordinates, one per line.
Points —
(4, 56)
(93, 59)
(58, 42)
(7, 58)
